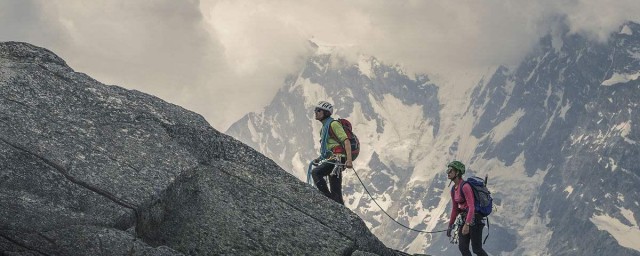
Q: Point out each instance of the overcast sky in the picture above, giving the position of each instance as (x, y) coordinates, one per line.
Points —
(223, 59)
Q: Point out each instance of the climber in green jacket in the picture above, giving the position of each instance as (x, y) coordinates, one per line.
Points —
(332, 152)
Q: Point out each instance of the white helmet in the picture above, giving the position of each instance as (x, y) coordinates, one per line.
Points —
(325, 106)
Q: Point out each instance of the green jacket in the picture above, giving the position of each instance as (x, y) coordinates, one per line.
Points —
(338, 131)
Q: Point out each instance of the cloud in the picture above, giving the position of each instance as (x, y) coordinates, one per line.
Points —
(160, 47)
(598, 19)
(224, 58)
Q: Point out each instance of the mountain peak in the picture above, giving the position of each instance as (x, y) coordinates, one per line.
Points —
(327, 48)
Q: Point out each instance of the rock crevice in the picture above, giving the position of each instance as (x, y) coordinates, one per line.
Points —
(70, 178)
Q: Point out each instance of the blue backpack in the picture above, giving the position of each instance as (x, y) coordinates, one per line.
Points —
(481, 195)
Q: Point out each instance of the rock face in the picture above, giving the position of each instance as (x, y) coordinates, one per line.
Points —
(93, 169)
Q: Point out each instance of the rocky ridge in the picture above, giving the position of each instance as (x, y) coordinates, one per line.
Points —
(94, 169)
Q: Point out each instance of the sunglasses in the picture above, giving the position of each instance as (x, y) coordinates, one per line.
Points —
(450, 170)
(317, 110)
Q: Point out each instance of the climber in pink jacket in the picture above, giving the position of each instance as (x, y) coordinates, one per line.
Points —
(471, 231)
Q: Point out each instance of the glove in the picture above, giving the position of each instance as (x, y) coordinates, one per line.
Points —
(316, 161)
(449, 231)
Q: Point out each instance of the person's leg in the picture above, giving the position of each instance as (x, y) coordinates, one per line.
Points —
(476, 237)
(463, 242)
(318, 174)
(335, 184)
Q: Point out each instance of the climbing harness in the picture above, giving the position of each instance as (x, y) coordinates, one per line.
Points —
(337, 169)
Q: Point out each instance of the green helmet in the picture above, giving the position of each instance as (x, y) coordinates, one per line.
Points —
(457, 165)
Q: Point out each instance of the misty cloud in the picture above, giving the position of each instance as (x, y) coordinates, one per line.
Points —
(224, 58)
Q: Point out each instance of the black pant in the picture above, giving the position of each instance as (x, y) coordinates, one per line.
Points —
(474, 236)
(335, 181)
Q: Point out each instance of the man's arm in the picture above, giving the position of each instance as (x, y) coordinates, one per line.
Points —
(347, 148)
(341, 136)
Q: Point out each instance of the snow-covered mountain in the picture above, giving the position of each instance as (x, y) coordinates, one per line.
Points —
(557, 135)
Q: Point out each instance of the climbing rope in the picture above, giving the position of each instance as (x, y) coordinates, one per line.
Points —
(324, 152)
(385, 212)
(309, 178)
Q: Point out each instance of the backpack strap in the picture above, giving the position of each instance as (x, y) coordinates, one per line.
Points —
(473, 190)
(333, 135)
(324, 138)
(485, 238)
(452, 189)
(462, 193)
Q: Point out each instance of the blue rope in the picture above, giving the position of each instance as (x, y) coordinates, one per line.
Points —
(309, 178)
(324, 152)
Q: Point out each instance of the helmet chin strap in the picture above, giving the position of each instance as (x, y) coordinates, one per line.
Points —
(452, 179)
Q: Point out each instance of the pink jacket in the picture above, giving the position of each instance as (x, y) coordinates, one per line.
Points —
(460, 205)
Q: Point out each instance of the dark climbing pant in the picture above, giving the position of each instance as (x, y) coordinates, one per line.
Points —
(335, 182)
(474, 236)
